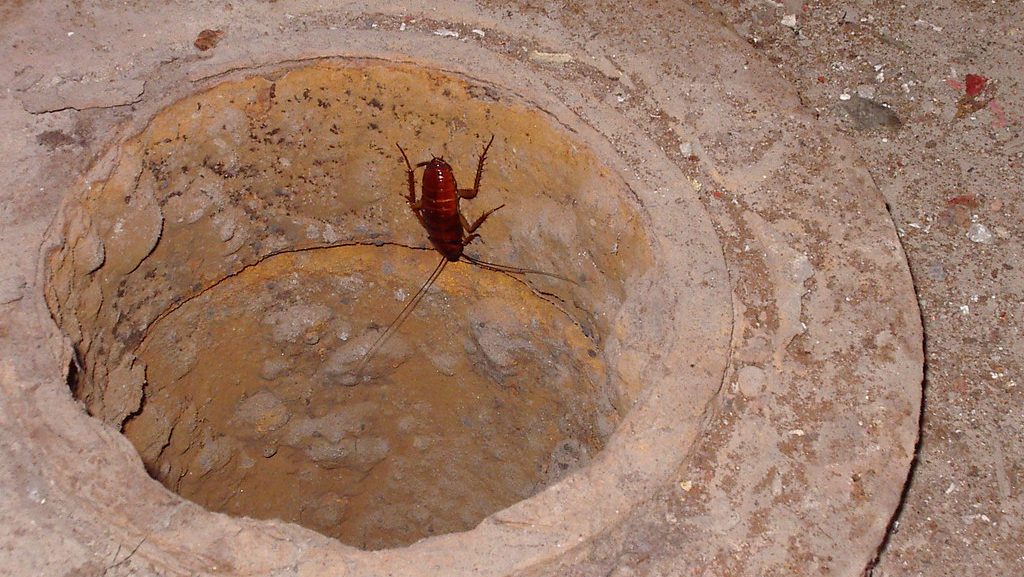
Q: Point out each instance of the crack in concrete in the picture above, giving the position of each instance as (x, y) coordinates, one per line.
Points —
(131, 553)
(41, 111)
(543, 295)
(170, 310)
(894, 521)
(893, 526)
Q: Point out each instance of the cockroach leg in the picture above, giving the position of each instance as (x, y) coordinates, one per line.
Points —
(472, 192)
(476, 224)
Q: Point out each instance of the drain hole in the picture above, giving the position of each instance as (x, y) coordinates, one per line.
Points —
(256, 404)
(223, 284)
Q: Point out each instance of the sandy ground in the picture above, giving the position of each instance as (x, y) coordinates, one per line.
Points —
(941, 176)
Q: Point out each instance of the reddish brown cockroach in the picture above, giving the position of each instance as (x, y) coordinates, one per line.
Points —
(449, 231)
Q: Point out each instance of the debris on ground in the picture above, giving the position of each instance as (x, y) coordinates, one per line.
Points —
(867, 114)
(978, 93)
(208, 39)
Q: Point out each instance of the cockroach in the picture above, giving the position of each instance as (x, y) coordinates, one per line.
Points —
(448, 230)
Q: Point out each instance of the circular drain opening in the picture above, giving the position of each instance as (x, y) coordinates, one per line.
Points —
(223, 283)
(484, 395)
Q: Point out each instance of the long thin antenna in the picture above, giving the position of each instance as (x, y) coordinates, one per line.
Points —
(512, 269)
(401, 317)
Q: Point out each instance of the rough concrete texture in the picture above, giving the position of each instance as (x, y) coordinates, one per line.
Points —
(952, 176)
(771, 353)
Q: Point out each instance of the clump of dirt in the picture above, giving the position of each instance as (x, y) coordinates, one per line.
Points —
(223, 286)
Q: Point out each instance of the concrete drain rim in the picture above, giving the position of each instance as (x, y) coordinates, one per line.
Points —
(852, 499)
(646, 447)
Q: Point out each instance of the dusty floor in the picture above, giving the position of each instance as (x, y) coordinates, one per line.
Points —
(948, 154)
(963, 513)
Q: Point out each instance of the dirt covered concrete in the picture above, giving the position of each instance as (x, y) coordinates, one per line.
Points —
(730, 385)
(947, 151)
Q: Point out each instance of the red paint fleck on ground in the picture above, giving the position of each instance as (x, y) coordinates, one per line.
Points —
(963, 200)
(975, 84)
(999, 113)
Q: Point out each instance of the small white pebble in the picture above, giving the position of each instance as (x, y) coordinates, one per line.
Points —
(979, 233)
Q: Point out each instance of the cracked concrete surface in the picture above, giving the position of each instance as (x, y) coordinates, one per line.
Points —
(779, 285)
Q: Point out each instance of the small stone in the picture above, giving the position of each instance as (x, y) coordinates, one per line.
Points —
(208, 39)
(866, 91)
(789, 20)
(979, 233)
(550, 57)
(867, 114)
(213, 455)
(263, 411)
